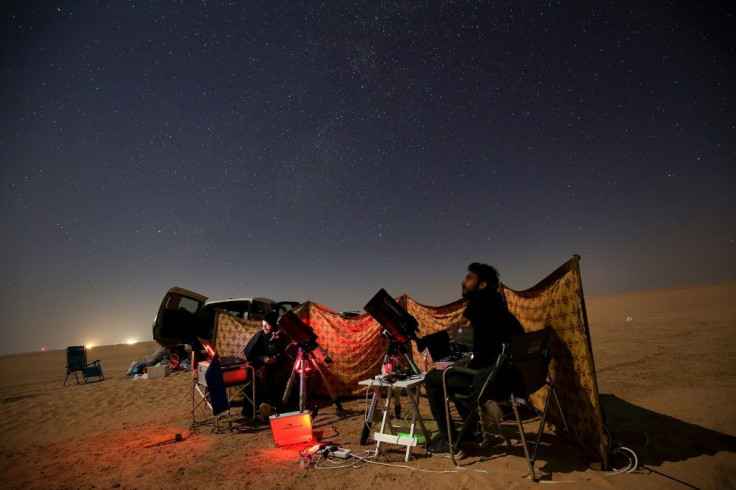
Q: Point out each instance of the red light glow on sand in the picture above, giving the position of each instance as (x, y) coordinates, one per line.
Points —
(286, 454)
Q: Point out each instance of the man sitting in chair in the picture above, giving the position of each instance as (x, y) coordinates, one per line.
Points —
(263, 351)
(493, 325)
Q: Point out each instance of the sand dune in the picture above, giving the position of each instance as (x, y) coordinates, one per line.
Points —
(666, 371)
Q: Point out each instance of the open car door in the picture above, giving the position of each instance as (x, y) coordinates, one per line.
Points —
(179, 320)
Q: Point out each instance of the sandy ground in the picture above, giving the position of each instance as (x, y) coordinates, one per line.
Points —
(666, 371)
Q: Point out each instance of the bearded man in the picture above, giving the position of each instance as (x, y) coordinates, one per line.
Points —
(493, 326)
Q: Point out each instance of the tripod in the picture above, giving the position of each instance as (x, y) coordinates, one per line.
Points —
(306, 361)
(393, 349)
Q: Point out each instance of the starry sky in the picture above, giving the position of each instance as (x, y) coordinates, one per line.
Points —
(324, 150)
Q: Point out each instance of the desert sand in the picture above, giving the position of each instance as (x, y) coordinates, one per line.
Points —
(666, 368)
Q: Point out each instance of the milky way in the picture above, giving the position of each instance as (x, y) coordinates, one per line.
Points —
(321, 151)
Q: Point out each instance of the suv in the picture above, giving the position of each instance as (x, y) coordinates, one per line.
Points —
(185, 315)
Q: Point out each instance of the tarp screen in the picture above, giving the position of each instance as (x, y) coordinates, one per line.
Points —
(232, 333)
(357, 346)
(558, 302)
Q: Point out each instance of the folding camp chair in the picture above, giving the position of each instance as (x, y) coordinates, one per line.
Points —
(529, 354)
(76, 364)
(215, 386)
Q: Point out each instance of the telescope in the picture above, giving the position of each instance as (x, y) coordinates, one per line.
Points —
(309, 351)
(399, 327)
(397, 323)
(303, 336)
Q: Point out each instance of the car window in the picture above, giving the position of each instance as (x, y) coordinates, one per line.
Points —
(285, 306)
(235, 308)
(259, 309)
(177, 301)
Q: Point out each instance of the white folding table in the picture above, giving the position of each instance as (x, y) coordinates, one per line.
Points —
(412, 385)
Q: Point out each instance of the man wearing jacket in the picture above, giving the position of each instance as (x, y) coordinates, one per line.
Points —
(493, 325)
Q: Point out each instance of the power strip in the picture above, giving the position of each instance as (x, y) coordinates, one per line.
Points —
(342, 453)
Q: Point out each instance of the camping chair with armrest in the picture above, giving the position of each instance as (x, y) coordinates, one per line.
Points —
(76, 364)
(529, 354)
(215, 385)
(209, 393)
(230, 337)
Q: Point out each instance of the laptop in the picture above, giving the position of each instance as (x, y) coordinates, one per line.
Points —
(438, 344)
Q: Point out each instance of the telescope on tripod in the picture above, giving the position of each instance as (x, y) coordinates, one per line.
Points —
(308, 358)
(399, 327)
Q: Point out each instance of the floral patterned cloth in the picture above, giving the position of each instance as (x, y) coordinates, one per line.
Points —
(558, 302)
(357, 347)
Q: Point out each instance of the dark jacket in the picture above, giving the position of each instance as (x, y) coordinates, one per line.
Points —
(493, 325)
(261, 346)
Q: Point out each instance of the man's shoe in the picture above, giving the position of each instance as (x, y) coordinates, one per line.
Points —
(491, 440)
(266, 410)
(440, 447)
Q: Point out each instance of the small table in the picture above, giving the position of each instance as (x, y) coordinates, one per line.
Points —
(412, 385)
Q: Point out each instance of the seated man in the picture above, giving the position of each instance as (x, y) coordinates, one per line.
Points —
(493, 325)
(263, 351)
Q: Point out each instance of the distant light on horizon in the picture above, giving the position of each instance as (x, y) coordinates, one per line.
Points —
(131, 341)
(89, 346)
(43, 349)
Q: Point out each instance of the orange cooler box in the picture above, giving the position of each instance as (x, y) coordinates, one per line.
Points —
(291, 428)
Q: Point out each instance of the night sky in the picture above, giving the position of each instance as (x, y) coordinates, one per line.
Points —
(321, 151)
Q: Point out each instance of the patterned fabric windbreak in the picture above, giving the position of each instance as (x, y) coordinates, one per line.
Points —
(233, 333)
(558, 302)
(357, 347)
